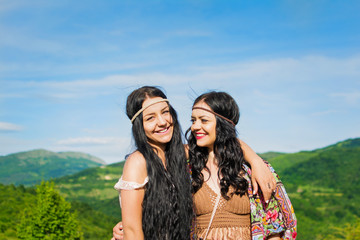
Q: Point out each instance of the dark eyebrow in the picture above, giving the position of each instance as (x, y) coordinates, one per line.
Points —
(152, 113)
(202, 116)
(165, 108)
(149, 114)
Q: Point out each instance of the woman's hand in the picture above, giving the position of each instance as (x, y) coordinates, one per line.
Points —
(261, 175)
(118, 233)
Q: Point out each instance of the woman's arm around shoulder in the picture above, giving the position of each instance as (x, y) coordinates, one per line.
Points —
(131, 200)
(261, 174)
(186, 147)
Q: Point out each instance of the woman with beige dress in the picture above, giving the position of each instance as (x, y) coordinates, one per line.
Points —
(226, 207)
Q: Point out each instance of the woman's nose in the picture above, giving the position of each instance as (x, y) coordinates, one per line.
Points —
(161, 120)
(195, 125)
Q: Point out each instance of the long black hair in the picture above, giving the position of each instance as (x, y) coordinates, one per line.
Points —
(167, 206)
(227, 148)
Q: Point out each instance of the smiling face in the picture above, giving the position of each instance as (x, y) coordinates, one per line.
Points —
(157, 122)
(203, 126)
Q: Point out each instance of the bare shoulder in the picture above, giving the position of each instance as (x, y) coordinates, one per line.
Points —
(135, 168)
(186, 146)
(242, 143)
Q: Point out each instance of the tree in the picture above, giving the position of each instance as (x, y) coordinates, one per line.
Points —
(50, 219)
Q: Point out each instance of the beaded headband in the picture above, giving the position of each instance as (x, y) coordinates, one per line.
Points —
(220, 116)
(146, 106)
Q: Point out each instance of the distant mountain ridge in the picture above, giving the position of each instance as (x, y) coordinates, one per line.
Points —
(30, 167)
(324, 186)
(349, 143)
(270, 155)
(336, 166)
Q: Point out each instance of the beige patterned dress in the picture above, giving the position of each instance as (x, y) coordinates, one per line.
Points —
(232, 217)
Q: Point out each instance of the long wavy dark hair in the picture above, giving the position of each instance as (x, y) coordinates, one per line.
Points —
(227, 149)
(167, 206)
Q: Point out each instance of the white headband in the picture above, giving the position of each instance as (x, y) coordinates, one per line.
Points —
(146, 106)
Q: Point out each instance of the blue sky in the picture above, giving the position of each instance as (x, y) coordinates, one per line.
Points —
(66, 68)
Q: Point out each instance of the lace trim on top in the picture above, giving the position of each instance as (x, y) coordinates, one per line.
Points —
(229, 233)
(126, 185)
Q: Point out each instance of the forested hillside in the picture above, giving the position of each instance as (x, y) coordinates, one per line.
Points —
(94, 186)
(31, 167)
(323, 184)
(95, 225)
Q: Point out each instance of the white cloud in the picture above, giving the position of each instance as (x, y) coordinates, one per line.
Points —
(83, 141)
(275, 72)
(303, 69)
(349, 97)
(112, 84)
(322, 113)
(9, 127)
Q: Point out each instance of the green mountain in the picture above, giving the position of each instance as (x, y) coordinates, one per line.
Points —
(335, 166)
(94, 186)
(324, 186)
(33, 166)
